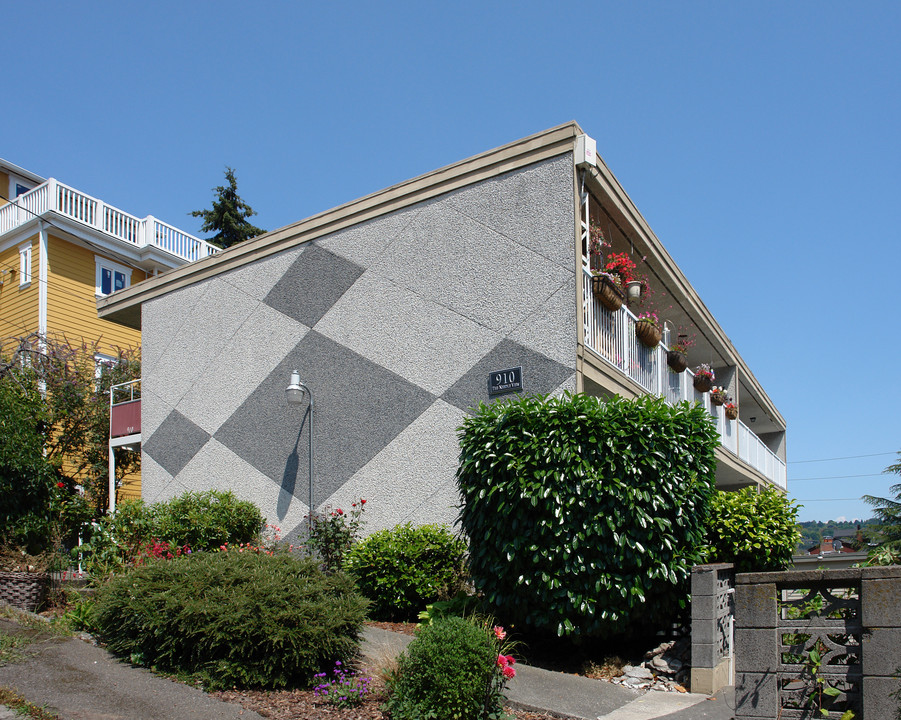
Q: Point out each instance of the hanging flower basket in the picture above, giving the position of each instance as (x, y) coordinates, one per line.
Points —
(703, 383)
(676, 360)
(648, 333)
(732, 411)
(24, 590)
(717, 397)
(608, 293)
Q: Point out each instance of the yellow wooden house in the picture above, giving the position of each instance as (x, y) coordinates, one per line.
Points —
(61, 250)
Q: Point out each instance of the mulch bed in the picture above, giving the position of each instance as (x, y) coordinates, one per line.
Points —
(304, 705)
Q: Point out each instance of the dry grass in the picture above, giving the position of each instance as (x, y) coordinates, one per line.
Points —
(609, 668)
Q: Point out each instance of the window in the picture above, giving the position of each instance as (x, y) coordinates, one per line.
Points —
(111, 276)
(21, 189)
(25, 265)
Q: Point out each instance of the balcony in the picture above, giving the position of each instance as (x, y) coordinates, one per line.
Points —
(611, 336)
(54, 196)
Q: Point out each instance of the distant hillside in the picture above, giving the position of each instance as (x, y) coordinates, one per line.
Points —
(813, 532)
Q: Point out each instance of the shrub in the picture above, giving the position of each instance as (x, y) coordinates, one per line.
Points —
(116, 540)
(585, 517)
(333, 533)
(755, 530)
(454, 668)
(207, 520)
(403, 569)
(232, 618)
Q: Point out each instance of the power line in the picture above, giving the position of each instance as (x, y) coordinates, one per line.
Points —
(835, 477)
(824, 499)
(848, 457)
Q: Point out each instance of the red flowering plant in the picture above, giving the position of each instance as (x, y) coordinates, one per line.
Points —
(650, 317)
(620, 267)
(333, 532)
(718, 394)
(704, 370)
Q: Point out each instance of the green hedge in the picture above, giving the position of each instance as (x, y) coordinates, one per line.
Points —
(755, 530)
(233, 618)
(403, 569)
(206, 520)
(585, 517)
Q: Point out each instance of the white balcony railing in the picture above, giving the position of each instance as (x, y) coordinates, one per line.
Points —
(611, 336)
(57, 197)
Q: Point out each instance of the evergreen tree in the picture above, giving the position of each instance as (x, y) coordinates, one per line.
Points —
(888, 512)
(228, 216)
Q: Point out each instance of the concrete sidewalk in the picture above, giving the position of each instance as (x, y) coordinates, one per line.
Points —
(578, 697)
(79, 681)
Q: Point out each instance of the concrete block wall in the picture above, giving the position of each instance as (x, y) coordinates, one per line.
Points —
(712, 610)
(394, 324)
(860, 625)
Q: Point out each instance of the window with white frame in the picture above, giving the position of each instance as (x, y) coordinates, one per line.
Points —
(111, 276)
(25, 265)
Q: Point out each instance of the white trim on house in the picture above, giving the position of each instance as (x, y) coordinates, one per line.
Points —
(43, 267)
(25, 264)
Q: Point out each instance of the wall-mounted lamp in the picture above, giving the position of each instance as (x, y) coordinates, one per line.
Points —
(753, 418)
(294, 395)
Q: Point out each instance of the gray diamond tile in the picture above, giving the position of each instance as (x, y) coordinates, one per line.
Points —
(360, 407)
(540, 375)
(312, 284)
(175, 442)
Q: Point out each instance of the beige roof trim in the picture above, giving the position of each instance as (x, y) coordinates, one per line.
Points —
(124, 306)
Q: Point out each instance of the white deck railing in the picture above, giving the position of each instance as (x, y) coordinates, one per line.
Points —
(57, 197)
(611, 336)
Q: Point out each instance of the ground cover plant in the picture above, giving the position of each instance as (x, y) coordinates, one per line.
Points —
(585, 517)
(404, 568)
(454, 668)
(234, 618)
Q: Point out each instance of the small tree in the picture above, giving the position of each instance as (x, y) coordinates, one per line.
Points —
(228, 216)
(888, 513)
(70, 387)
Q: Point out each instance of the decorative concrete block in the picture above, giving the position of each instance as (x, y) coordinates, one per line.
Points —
(880, 602)
(756, 650)
(704, 630)
(756, 695)
(755, 605)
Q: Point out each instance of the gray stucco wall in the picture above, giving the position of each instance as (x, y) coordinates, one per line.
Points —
(394, 325)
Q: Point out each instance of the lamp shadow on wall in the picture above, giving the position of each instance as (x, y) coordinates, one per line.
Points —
(289, 476)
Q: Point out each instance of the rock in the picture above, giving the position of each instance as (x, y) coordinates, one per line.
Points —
(659, 650)
(640, 673)
(667, 664)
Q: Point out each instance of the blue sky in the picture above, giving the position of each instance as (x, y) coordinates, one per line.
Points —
(760, 141)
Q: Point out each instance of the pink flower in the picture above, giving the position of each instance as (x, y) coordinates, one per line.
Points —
(60, 484)
(339, 511)
(501, 661)
(509, 672)
(499, 632)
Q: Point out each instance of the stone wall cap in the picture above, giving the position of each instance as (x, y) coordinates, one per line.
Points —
(803, 576)
(712, 567)
(881, 571)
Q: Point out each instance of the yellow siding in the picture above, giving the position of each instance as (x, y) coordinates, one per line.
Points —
(4, 187)
(130, 488)
(72, 304)
(18, 306)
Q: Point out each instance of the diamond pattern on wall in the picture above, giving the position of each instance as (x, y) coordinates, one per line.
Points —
(312, 284)
(540, 374)
(360, 407)
(175, 442)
